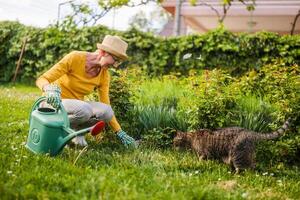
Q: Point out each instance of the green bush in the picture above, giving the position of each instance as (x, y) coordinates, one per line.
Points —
(253, 113)
(120, 95)
(159, 137)
(279, 84)
(158, 92)
(237, 53)
(209, 100)
(10, 43)
(155, 108)
(151, 117)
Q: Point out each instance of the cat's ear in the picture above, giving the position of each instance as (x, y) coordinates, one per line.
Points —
(178, 134)
(189, 134)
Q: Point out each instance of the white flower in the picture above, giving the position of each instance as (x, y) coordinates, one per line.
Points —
(14, 148)
(279, 182)
(187, 56)
(9, 172)
(244, 195)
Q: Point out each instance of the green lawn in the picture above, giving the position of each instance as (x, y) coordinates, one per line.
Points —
(108, 171)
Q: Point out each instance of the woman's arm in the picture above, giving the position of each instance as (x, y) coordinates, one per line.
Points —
(103, 93)
(55, 72)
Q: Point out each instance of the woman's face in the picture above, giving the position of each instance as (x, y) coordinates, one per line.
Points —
(106, 59)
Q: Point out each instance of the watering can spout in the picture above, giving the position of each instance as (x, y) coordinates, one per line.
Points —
(72, 133)
(94, 130)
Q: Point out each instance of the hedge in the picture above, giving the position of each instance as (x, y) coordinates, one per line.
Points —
(216, 49)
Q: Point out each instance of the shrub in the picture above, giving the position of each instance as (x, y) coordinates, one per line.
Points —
(159, 137)
(158, 92)
(278, 83)
(156, 106)
(10, 44)
(253, 113)
(236, 53)
(120, 95)
(209, 101)
(151, 117)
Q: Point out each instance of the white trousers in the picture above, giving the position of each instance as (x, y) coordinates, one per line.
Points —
(83, 114)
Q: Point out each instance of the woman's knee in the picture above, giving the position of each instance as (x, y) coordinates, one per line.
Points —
(84, 113)
(104, 112)
(78, 111)
(108, 114)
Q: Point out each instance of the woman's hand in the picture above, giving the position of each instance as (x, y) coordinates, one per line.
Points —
(126, 139)
(53, 94)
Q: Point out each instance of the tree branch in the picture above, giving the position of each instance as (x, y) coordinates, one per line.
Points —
(294, 23)
(143, 2)
(225, 9)
(212, 8)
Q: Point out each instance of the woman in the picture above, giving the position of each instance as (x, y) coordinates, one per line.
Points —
(77, 75)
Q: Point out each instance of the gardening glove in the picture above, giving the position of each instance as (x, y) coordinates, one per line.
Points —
(126, 139)
(52, 92)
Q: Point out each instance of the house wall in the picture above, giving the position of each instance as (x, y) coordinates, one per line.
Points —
(270, 15)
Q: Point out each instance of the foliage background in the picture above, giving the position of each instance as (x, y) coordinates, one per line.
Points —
(217, 49)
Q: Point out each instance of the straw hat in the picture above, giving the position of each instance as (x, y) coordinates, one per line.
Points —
(115, 46)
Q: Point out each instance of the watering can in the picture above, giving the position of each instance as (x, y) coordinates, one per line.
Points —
(50, 130)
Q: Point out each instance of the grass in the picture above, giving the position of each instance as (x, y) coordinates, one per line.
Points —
(254, 113)
(108, 171)
(158, 92)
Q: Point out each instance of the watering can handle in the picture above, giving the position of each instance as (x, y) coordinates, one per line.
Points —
(35, 105)
(61, 108)
(65, 115)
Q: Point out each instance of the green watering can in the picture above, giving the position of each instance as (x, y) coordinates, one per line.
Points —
(50, 130)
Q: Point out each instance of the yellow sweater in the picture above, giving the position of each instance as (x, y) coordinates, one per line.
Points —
(69, 73)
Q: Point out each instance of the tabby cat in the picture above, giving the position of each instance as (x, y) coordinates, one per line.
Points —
(234, 145)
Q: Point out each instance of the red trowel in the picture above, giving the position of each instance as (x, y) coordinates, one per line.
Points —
(97, 128)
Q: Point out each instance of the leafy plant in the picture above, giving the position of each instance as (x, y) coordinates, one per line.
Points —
(159, 137)
(151, 117)
(163, 92)
(209, 100)
(253, 113)
(157, 56)
(278, 83)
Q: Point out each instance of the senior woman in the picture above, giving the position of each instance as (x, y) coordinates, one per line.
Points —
(77, 74)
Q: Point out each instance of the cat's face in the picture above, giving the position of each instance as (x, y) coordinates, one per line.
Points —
(180, 140)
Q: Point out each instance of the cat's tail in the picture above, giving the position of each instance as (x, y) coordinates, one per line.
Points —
(275, 134)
